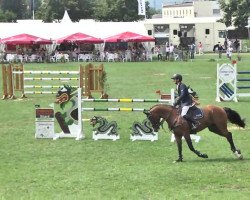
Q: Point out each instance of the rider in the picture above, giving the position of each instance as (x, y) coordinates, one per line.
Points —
(184, 99)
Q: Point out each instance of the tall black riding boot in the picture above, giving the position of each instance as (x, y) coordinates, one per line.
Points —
(193, 123)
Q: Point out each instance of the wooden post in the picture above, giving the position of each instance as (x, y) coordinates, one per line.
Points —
(91, 79)
(81, 81)
(4, 77)
(10, 83)
(18, 79)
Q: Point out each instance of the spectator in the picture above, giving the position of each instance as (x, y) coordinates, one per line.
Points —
(200, 48)
(237, 45)
(229, 52)
(167, 52)
(171, 51)
(158, 52)
(192, 50)
(220, 49)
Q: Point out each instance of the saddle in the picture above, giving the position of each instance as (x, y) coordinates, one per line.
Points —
(195, 113)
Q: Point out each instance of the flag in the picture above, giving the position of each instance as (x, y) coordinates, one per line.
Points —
(141, 7)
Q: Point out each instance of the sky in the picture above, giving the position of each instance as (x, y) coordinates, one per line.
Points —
(157, 3)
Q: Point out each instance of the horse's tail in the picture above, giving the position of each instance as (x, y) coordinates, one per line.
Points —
(234, 117)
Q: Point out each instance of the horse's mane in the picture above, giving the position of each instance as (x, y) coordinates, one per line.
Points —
(161, 105)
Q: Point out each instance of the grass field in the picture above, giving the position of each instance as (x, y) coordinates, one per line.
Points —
(87, 169)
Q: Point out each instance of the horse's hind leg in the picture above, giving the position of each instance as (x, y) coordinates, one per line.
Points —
(191, 147)
(236, 152)
(229, 137)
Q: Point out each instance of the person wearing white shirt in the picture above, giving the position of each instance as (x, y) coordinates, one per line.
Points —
(167, 52)
(229, 52)
(171, 50)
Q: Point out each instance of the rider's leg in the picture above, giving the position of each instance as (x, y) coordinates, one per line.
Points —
(193, 122)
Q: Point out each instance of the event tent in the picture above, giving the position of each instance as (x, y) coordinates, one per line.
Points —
(79, 38)
(24, 39)
(129, 37)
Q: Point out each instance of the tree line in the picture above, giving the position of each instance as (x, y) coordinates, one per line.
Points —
(236, 12)
(53, 10)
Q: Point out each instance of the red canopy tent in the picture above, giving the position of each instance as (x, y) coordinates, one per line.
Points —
(129, 37)
(79, 38)
(24, 39)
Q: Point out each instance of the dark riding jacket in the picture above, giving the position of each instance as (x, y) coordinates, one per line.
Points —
(184, 98)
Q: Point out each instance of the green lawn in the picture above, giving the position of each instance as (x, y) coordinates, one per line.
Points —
(87, 169)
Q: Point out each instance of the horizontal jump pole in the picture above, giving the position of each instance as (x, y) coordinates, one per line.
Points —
(47, 86)
(243, 87)
(127, 100)
(49, 79)
(243, 79)
(116, 109)
(40, 92)
(243, 72)
(243, 94)
(46, 72)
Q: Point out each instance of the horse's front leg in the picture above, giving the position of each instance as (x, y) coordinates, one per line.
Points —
(191, 147)
(179, 146)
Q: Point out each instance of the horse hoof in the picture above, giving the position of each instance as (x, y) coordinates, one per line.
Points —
(238, 154)
(204, 156)
(177, 161)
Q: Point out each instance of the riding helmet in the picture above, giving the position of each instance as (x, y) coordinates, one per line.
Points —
(177, 76)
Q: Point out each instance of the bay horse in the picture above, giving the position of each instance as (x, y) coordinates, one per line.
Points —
(214, 118)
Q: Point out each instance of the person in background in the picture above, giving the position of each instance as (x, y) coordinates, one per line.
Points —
(229, 52)
(171, 51)
(158, 52)
(192, 50)
(237, 45)
(200, 48)
(167, 51)
(220, 49)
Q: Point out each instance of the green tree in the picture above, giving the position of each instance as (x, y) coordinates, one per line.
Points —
(12, 9)
(236, 12)
(118, 10)
(54, 9)
(7, 16)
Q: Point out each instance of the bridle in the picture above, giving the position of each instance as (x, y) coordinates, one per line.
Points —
(159, 124)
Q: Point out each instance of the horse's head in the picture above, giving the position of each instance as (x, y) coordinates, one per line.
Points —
(158, 114)
(154, 120)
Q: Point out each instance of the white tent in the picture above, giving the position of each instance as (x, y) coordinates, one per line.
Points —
(57, 30)
(66, 18)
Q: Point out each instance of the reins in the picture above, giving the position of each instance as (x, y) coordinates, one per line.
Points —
(165, 119)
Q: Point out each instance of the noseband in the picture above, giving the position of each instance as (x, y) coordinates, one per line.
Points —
(160, 123)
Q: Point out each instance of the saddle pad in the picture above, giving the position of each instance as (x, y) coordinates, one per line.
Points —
(195, 113)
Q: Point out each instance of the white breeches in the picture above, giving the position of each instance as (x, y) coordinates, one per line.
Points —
(184, 110)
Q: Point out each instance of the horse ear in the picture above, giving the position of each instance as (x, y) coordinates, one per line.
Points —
(146, 112)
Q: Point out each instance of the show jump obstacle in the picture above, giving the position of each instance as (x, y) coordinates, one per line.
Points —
(16, 79)
(230, 82)
(105, 130)
(107, 134)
